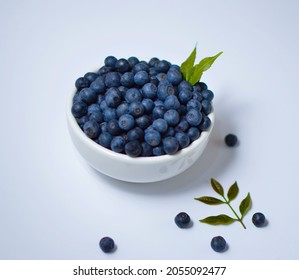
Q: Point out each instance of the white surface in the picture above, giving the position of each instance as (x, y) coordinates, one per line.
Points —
(54, 206)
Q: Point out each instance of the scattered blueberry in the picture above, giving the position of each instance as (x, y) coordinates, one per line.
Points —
(218, 244)
(231, 140)
(106, 244)
(182, 220)
(258, 219)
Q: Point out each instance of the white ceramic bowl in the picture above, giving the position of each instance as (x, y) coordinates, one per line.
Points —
(140, 169)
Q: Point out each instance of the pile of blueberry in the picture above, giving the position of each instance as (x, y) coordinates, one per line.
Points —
(141, 108)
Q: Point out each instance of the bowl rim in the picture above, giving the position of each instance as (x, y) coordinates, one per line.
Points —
(125, 158)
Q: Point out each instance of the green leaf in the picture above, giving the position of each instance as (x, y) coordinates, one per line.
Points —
(202, 66)
(233, 191)
(210, 200)
(217, 187)
(245, 205)
(218, 220)
(187, 65)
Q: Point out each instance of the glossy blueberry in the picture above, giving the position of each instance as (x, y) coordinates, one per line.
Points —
(88, 96)
(103, 126)
(164, 90)
(196, 88)
(148, 105)
(122, 109)
(113, 127)
(104, 70)
(174, 67)
(231, 140)
(183, 139)
(76, 98)
(135, 133)
(149, 90)
(158, 112)
(141, 78)
(206, 106)
(91, 129)
(152, 137)
(143, 122)
(136, 109)
(205, 123)
(172, 102)
(81, 121)
(152, 61)
(118, 144)
(79, 109)
(162, 77)
(184, 85)
(193, 133)
(174, 76)
(122, 65)
(91, 76)
(93, 108)
(133, 148)
(159, 102)
(182, 220)
(160, 125)
(163, 66)
(197, 96)
(126, 122)
(152, 71)
(193, 117)
(81, 83)
(105, 139)
(147, 149)
(110, 61)
(133, 94)
(98, 85)
(112, 79)
(193, 104)
(170, 145)
(103, 105)
(259, 219)
(182, 126)
(113, 97)
(158, 151)
(218, 244)
(172, 117)
(185, 95)
(127, 79)
(133, 61)
(106, 244)
(207, 94)
(141, 66)
(96, 116)
(203, 86)
(109, 114)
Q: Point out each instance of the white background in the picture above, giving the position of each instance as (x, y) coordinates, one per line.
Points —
(54, 206)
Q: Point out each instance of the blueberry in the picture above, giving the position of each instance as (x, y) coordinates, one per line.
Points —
(136, 109)
(133, 148)
(231, 140)
(123, 90)
(158, 112)
(218, 244)
(149, 90)
(193, 117)
(152, 137)
(182, 220)
(207, 94)
(81, 83)
(170, 145)
(93, 108)
(104, 70)
(133, 94)
(171, 102)
(203, 86)
(193, 133)
(122, 109)
(109, 114)
(106, 244)
(197, 96)
(98, 85)
(162, 77)
(96, 116)
(170, 131)
(172, 117)
(133, 61)
(141, 78)
(182, 126)
(126, 122)
(81, 121)
(183, 139)
(112, 79)
(163, 66)
(141, 66)
(118, 144)
(259, 219)
(164, 90)
(152, 61)
(174, 76)
(174, 67)
(88, 96)
(148, 105)
(91, 129)
(147, 149)
(90, 76)
(103, 105)
(205, 124)
(76, 97)
(103, 126)
(143, 122)
(206, 106)
(158, 151)
(110, 61)
(127, 79)
(185, 95)
(113, 127)
(160, 125)
(122, 65)
(184, 85)
(113, 97)
(152, 71)
(135, 133)
(194, 104)
(79, 109)
(105, 139)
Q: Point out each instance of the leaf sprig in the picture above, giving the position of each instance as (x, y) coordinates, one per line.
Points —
(192, 73)
(232, 193)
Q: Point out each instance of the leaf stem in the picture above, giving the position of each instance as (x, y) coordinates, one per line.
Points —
(238, 218)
